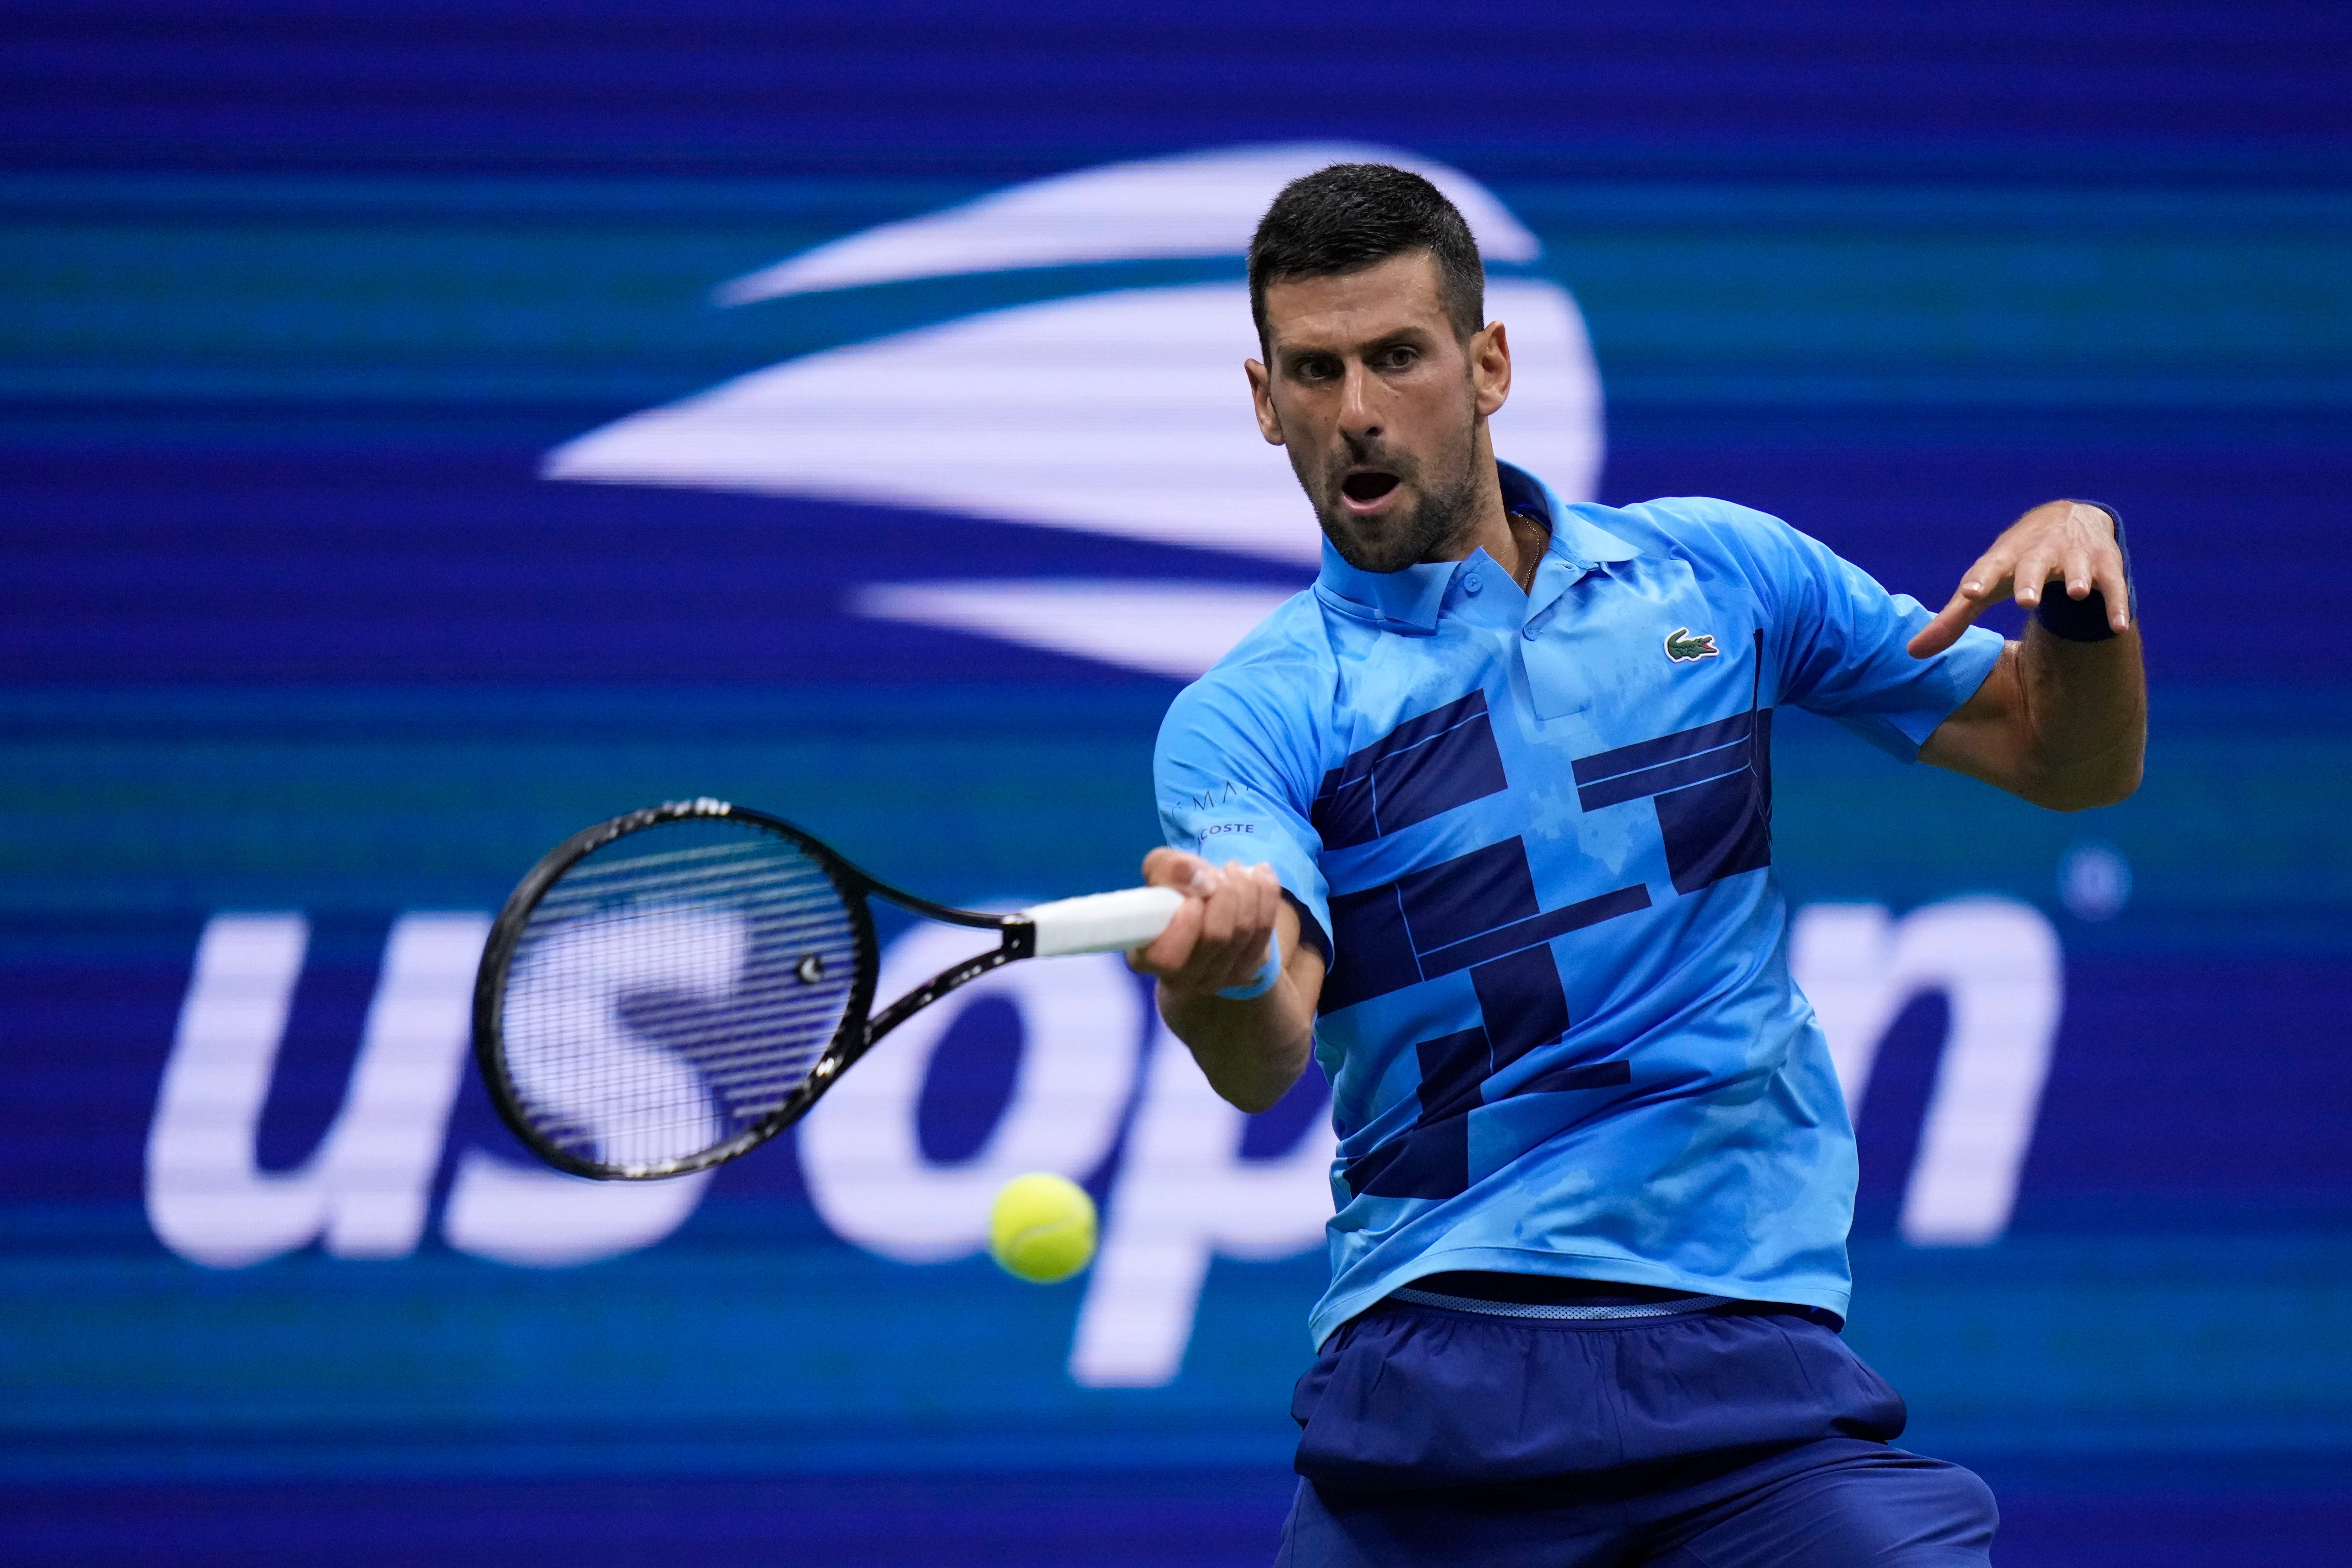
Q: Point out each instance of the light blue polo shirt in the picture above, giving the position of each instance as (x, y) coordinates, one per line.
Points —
(1559, 1022)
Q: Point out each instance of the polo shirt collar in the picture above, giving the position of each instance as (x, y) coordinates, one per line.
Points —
(1575, 541)
(1406, 601)
(1410, 601)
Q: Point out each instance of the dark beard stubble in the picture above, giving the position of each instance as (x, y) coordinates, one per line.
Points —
(1430, 530)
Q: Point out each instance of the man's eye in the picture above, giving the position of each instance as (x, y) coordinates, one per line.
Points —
(1312, 370)
(1399, 359)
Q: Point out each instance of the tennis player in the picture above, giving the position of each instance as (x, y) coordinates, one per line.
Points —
(1483, 821)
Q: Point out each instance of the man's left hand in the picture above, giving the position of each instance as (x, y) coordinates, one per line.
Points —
(2066, 541)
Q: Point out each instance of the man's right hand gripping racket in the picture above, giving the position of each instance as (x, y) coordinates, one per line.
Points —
(674, 987)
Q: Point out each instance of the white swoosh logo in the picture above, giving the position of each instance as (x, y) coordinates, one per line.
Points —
(1123, 412)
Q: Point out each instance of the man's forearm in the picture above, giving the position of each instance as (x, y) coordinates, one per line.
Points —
(2085, 708)
(1252, 1051)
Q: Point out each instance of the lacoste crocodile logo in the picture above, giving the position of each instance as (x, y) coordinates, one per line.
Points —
(1685, 648)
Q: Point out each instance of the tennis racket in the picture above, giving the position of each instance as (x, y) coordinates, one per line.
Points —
(674, 987)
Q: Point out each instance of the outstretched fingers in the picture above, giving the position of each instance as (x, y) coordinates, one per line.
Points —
(1984, 582)
(2081, 553)
(2105, 570)
(2031, 577)
(2117, 588)
(2074, 570)
(2069, 543)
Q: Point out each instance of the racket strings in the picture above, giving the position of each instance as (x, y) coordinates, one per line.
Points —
(708, 877)
(673, 989)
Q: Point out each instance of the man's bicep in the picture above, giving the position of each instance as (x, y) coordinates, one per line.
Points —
(1983, 737)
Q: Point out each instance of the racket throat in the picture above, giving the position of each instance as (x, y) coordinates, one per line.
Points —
(1020, 941)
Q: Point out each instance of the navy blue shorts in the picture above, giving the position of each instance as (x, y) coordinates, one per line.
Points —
(1729, 1438)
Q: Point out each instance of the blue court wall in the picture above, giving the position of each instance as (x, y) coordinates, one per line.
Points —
(303, 619)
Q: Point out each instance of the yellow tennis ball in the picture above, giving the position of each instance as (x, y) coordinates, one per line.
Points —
(1042, 1228)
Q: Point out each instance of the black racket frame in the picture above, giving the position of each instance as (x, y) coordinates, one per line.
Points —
(858, 1034)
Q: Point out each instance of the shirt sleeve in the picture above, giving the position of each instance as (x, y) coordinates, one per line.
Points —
(1234, 776)
(1840, 640)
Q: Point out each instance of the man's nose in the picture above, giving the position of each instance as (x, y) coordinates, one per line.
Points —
(1359, 421)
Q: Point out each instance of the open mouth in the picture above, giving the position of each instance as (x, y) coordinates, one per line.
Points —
(1364, 488)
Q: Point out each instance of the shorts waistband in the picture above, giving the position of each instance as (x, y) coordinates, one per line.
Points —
(1562, 1312)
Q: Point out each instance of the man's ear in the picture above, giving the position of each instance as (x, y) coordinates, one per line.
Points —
(1269, 423)
(1490, 367)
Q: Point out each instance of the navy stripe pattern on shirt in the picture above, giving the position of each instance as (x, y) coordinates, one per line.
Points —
(1433, 762)
(1711, 787)
(1476, 911)
(1461, 913)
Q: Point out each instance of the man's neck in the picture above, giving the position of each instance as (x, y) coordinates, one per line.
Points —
(1516, 542)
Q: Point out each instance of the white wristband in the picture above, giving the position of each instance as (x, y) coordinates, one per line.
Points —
(1262, 980)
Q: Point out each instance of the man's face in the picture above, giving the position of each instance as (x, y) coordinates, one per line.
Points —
(1382, 406)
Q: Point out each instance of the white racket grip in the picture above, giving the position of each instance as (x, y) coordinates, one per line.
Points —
(1103, 922)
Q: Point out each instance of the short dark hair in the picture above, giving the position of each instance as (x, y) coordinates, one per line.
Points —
(1348, 216)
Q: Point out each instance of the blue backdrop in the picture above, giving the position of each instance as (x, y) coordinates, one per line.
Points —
(407, 419)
